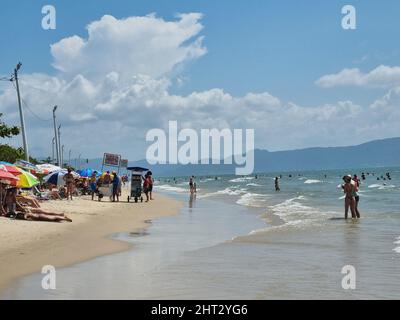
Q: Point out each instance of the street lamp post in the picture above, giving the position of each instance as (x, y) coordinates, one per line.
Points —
(21, 113)
(52, 150)
(69, 157)
(59, 145)
(79, 161)
(62, 156)
(55, 135)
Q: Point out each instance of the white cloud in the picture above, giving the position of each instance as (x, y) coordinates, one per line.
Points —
(108, 106)
(136, 45)
(380, 77)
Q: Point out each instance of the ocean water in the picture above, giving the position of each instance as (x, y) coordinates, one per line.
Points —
(239, 239)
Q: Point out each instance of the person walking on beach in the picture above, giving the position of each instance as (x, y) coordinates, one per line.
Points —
(151, 182)
(277, 188)
(93, 184)
(349, 200)
(146, 185)
(115, 187)
(70, 183)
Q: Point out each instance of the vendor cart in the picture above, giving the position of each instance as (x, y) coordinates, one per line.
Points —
(136, 183)
(104, 191)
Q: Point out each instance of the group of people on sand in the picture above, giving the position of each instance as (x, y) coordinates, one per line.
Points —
(15, 205)
(115, 182)
(106, 180)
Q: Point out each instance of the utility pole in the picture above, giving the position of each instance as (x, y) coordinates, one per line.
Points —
(69, 157)
(21, 113)
(52, 151)
(59, 145)
(79, 161)
(62, 156)
(55, 135)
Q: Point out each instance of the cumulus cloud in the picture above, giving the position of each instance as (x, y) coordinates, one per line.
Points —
(380, 77)
(117, 119)
(136, 45)
(110, 93)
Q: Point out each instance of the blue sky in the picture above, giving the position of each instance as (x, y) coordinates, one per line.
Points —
(279, 47)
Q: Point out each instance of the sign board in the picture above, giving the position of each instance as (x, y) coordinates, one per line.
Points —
(112, 160)
(124, 163)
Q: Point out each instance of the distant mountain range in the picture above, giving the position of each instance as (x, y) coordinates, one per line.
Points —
(378, 153)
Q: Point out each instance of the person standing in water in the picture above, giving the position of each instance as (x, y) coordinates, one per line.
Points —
(349, 200)
(191, 184)
(356, 182)
(277, 188)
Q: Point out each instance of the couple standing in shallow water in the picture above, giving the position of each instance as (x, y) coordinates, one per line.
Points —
(350, 188)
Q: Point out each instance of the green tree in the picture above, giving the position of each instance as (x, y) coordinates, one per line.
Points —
(6, 131)
(8, 153)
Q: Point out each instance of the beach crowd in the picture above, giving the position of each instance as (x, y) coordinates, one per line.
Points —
(23, 186)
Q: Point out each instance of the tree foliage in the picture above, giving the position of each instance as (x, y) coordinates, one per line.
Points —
(8, 153)
(6, 131)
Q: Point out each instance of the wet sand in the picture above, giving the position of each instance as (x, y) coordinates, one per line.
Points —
(27, 246)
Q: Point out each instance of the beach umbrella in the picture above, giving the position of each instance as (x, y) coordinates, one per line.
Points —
(6, 176)
(26, 180)
(10, 168)
(88, 172)
(4, 163)
(57, 178)
(25, 165)
(47, 168)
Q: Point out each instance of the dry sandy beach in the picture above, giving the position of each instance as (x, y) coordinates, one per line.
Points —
(26, 246)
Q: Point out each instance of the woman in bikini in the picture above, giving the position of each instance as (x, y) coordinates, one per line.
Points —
(349, 201)
(70, 182)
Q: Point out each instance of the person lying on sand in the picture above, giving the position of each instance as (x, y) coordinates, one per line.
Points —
(45, 217)
(35, 214)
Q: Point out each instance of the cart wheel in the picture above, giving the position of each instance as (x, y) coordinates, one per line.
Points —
(129, 198)
(136, 199)
(141, 199)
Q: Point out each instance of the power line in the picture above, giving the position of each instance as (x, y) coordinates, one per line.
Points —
(29, 109)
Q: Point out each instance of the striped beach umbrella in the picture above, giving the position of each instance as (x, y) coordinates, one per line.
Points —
(7, 177)
(57, 178)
